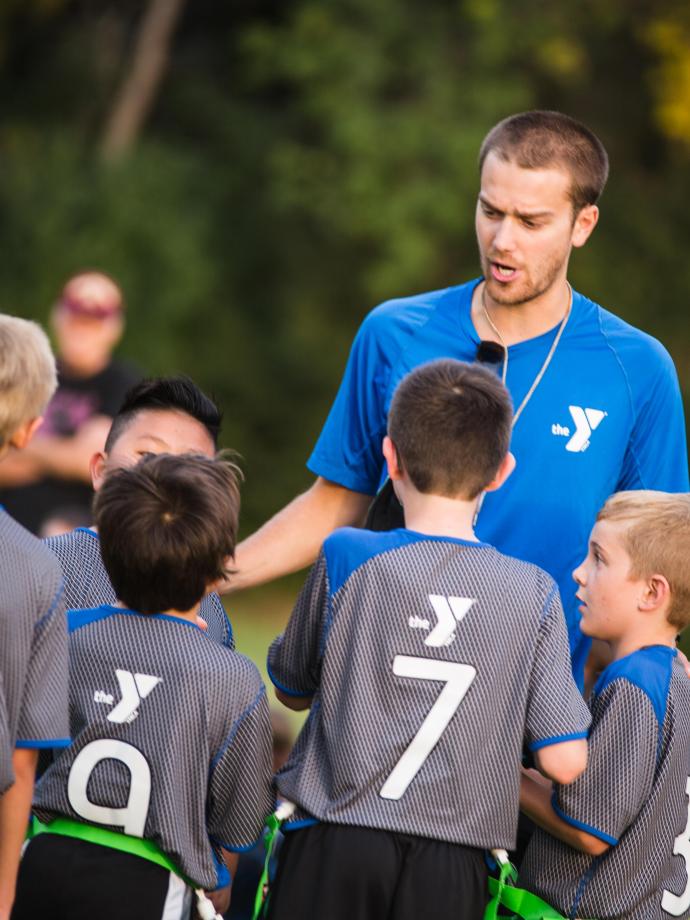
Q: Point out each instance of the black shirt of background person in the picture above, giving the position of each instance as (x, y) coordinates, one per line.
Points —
(76, 400)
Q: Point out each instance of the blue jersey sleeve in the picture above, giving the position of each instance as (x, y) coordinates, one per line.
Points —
(348, 450)
(656, 457)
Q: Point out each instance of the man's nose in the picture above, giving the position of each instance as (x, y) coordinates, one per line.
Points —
(504, 237)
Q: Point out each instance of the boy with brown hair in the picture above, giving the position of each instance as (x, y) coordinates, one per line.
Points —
(616, 842)
(427, 659)
(33, 639)
(169, 773)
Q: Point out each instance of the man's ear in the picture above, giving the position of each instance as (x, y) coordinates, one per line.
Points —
(506, 467)
(657, 593)
(25, 433)
(585, 222)
(391, 454)
(97, 465)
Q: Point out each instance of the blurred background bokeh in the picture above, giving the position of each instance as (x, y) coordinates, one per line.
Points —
(257, 175)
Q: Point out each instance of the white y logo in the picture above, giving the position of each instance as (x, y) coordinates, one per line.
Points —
(134, 688)
(449, 611)
(586, 420)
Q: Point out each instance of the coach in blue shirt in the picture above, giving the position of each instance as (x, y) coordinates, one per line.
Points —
(597, 402)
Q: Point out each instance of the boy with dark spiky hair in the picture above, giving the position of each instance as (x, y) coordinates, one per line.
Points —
(163, 414)
(169, 772)
(428, 659)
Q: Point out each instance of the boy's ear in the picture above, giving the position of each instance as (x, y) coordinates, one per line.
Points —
(25, 433)
(391, 454)
(97, 470)
(657, 593)
(506, 467)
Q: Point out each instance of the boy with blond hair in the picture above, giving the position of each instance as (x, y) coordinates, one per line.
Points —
(428, 658)
(616, 842)
(33, 640)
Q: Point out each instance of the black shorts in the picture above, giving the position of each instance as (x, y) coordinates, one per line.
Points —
(67, 879)
(334, 872)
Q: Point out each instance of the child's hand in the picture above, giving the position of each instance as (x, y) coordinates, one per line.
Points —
(220, 898)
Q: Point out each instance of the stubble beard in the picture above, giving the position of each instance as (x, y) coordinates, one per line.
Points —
(528, 291)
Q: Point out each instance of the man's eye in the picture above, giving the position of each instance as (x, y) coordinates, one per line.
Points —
(145, 453)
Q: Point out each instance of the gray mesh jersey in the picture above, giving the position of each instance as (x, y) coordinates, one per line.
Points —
(33, 640)
(172, 739)
(87, 584)
(634, 795)
(430, 661)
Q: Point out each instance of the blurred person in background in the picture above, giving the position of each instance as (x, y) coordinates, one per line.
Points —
(47, 488)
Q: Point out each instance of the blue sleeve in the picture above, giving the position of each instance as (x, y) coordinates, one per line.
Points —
(656, 456)
(348, 451)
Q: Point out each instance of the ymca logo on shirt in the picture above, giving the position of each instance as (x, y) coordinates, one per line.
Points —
(449, 612)
(133, 689)
(585, 421)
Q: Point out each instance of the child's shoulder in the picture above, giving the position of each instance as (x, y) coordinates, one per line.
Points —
(182, 644)
(26, 557)
(348, 548)
(71, 547)
(647, 672)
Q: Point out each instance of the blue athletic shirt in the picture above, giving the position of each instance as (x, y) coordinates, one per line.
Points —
(606, 416)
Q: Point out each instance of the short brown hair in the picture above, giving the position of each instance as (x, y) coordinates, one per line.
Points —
(543, 140)
(450, 423)
(167, 528)
(27, 373)
(657, 541)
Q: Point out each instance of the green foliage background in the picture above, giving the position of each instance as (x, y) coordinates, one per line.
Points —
(305, 159)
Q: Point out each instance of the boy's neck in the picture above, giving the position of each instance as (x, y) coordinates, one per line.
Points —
(634, 640)
(192, 616)
(439, 516)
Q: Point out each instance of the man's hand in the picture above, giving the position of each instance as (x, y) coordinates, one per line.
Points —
(291, 540)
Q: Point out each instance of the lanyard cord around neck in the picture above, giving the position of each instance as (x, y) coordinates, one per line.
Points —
(547, 360)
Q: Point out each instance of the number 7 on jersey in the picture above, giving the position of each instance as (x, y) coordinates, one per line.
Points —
(457, 679)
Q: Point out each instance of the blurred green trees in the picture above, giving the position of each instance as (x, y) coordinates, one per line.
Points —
(304, 159)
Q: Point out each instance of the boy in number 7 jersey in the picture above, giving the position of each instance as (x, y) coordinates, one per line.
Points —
(169, 772)
(427, 659)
